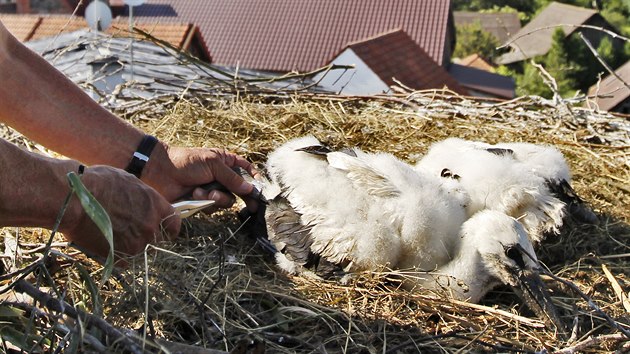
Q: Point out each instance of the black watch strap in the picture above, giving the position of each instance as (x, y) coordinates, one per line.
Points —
(141, 156)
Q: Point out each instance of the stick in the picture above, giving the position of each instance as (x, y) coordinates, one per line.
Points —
(601, 61)
(590, 342)
(53, 304)
(617, 288)
(527, 321)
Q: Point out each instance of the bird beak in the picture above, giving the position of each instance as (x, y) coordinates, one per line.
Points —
(534, 293)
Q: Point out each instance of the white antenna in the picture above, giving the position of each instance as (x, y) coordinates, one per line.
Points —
(131, 4)
(98, 15)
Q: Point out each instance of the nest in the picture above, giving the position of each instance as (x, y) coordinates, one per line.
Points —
(216, 288)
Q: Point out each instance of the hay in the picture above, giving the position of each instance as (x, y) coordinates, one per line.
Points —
(215, 287)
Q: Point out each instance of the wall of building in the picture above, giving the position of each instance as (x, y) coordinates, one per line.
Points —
(358, 81)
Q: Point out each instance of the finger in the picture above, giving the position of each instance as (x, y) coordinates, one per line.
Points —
(239, 161)
(223, 200)
(232, 180)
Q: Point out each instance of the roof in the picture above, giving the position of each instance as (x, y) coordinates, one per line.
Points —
(482, 81)
(501, 25)
(475, 61)
(395, 55)
(614, 90)
(285, 35)
(536, 37)
(33, 27)
(22, 27)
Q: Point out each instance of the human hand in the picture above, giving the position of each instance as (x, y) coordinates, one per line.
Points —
(175, 171)
(139, 214)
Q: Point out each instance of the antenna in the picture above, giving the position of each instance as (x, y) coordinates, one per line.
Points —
(98, 15)
(131, 4)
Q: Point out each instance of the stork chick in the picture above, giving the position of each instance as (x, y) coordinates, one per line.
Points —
(352, 211)
(515, 179)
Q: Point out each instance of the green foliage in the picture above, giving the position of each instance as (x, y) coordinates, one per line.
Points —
(526, 6)
(473, 39)
(16, 329)
(571, 63)
(98, 214)
(531, 83)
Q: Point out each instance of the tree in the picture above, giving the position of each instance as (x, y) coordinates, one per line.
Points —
(473, 39)
(557, 63)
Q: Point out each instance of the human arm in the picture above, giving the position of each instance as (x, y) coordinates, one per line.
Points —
(44, 105)
(33, 189)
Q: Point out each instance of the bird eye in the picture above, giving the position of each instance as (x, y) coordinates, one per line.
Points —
(514, 254)
(449, 174)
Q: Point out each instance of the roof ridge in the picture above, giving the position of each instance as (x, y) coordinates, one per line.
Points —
(378, 35)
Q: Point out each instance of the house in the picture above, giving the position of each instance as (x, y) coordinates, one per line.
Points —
(611, 94)
(475, 61)
(501, 25)
(302, 35)
(38, 6)
(382, 61)
(482, 83)
(183, 36)
(535, 38)
(290, 35)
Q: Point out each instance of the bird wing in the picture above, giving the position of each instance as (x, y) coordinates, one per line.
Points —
(362, 175)
(293, 238)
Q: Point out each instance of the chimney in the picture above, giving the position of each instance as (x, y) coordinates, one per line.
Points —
(23, 6)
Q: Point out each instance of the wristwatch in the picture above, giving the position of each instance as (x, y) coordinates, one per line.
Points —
(141, 155)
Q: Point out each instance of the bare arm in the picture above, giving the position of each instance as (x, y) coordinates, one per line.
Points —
(44, 105)
(33, 189)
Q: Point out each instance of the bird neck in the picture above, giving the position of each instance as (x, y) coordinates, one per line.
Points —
(464, 276)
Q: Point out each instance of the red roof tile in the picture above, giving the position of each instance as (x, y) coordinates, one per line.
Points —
(32, 27)
(612, 91)
(475, 61)
(283, 35)
(394, 55)
(20, 26)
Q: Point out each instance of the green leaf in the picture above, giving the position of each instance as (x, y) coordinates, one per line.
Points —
(97, 307)
(20, 339)
(97, 213)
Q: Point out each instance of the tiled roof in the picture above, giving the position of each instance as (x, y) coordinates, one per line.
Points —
(481, 82)
(501, 25)
(535, 38)
(394, 55)
(53, 25)
(284, 35)
(615, 91)
(475, 61)
(32, 27)
(20, 26)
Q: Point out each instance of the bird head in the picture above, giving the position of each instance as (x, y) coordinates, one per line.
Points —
(508, 256)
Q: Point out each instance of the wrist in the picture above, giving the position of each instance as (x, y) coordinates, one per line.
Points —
(141, 155)
(33, 188)
(159, 170)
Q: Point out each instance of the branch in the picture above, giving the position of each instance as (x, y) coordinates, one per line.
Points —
(609, 32)
(53, 304)
(591, 342)
(590, 302)
(601, 61)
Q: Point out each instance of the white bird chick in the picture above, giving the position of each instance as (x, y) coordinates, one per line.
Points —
(350, 211)
(550, 164)
(495, 180)
(358, 210)
(494, 249)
